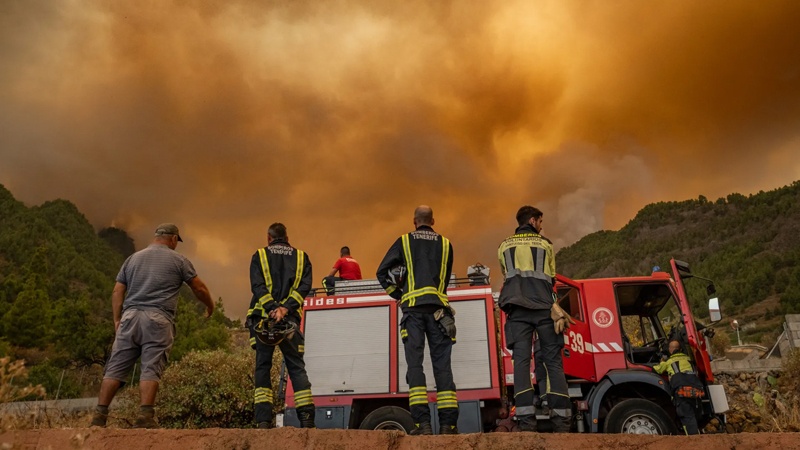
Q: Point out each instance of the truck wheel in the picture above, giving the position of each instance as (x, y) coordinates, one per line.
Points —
(638, 416)
(388, 418)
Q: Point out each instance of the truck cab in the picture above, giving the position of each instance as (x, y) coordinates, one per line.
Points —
(622, 327)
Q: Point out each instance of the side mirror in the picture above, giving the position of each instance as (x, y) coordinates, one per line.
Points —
(713, 310)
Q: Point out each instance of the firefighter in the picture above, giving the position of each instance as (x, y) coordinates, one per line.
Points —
(280, 279)
(427, 258)
(528, 265)
(687, 389)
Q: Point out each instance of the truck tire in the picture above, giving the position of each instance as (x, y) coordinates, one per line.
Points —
(388, 418)
(638, 416)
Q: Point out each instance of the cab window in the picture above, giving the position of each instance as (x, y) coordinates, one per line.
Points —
(569, 299)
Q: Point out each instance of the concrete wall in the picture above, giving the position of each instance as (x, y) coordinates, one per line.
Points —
(788, 342)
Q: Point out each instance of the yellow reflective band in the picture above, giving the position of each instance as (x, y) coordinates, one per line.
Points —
(523, 391)
(409, 262)
(391, 289)
(298, 274)
(411, 296)
(252, 341)
(303, 398)
(301, 348)
(423, 401)
(403, 333)
(447, 405)
(443, 268)
(262, 254)
(418, 388)
(296, 296)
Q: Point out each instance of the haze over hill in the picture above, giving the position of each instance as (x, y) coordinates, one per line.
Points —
(338, 118)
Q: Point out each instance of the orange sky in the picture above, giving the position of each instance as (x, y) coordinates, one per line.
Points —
(338, 118)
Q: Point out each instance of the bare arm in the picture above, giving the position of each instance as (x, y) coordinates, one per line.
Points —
(117, 297)
(333, 272)
(201, 292)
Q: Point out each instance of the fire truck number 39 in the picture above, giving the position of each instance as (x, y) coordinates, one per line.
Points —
(576, 342)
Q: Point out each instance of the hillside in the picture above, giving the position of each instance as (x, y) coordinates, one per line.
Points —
(747, 244)
(56, 277)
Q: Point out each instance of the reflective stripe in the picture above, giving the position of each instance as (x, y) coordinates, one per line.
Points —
(509, 265)
(418, 395)
(403, 333)
(409, 263)
(562, 412)
(303, 398)
(443, 268)
(525, 411)
(391, 289)
(527, 274)
(298, 275)
(263, 395)
(522, 392)
(411, 297)
(262, 255)
(446, 399)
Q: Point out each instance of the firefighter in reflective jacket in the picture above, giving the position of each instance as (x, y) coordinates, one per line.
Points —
(428, 260)
(687, 389)
(528, 264)
(280, 279)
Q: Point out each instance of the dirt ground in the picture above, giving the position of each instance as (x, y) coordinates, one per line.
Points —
(297, 439)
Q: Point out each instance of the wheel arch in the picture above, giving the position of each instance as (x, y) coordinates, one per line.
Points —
(618, 385)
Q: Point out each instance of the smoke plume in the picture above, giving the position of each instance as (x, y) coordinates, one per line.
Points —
(338, 118)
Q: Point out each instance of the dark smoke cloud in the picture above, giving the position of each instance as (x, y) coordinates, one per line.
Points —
(338, 118)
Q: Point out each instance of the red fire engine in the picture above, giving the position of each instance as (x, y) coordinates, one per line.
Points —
(356, 364)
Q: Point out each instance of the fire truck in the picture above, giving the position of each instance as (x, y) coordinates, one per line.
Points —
(356, 363)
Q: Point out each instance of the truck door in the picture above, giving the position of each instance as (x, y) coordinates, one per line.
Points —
(578, 360)
(700, 357)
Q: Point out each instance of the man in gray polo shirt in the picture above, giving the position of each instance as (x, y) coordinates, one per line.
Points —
(144, 302)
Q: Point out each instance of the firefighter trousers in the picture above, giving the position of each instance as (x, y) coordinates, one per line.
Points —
(520, 326)
(414, 328)
(292, 350)
(685, 410)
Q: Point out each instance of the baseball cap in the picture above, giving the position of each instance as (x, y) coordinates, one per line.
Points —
(168, 228)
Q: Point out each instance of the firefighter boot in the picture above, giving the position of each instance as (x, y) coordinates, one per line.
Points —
(448, 429)
(264, 425)
(306, 416)
(147, 417)
(100, 416)
(423, 428)
(526, 423)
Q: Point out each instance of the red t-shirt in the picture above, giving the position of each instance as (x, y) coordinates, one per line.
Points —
(348, 268)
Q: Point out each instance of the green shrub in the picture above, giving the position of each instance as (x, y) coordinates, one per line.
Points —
(205, 389)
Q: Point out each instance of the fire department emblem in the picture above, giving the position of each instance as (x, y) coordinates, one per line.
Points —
(602, 317)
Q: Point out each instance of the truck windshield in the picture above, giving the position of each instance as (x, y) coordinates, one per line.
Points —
(649, 313)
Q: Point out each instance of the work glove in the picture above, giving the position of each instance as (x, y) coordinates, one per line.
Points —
(446, 322)
(561, 320)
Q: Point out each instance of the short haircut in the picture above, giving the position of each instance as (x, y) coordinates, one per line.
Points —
(345, 250)
(423, 215)
(527, 213)
(277, 230)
